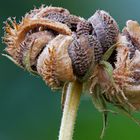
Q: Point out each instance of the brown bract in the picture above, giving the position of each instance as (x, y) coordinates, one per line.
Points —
(127, 68)
(54, 63)
(120, 85)
(44, 11)
(16, 33)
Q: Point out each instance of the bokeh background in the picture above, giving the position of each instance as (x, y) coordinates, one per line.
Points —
(29, 110)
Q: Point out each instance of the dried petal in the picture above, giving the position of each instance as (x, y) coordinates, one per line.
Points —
(81, 52)
(32, 46)
(54, 63)
(105, 28)
(44, 11)
(16, 33)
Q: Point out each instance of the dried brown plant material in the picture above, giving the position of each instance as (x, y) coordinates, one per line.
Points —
(67, 50)
(127, 71)
(105, 28)
(43, 11)
(32, 46)
(121, 85)
(16, 33)
(54, 63)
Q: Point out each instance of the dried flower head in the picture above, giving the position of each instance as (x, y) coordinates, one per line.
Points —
(127, 71)
(119, 85)
(17, 33)
(67, 50)
(54, 62)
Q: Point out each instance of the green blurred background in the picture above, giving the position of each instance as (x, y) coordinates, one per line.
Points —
(29, 110)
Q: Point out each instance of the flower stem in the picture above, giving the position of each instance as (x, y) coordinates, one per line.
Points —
(72, 100)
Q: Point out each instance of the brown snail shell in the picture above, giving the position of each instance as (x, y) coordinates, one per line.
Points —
(54, 63)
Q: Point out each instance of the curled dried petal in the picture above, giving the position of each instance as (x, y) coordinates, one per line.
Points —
(105, 28)
(44, 11)
(16, 33)
(81, 52)
(54, 63)
(32, 46)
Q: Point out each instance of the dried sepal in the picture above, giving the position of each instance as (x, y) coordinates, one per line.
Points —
(43, 11)
(54, 63)
(57, 14)
(70, 20)
(105, 28)
(124, 92)
(16, 33)
(133, 28)
(32, 46)
(81, 52)
(127, 77)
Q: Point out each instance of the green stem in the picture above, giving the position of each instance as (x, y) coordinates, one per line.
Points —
(72, 100)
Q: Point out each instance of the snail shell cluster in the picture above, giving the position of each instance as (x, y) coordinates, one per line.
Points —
(59, 46)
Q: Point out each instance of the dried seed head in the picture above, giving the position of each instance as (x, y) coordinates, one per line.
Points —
(127, 71)
(132, 33)
(105, 28)
(16, 33)
(81, 52)
(31, 47)
(84, 28)
(54, 63)
(43, 11)
(125, 92)
(70, 20)
(121, 85)
(82, 43)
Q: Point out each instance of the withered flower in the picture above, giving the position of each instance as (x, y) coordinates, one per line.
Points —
(77, 55)
(119, 85)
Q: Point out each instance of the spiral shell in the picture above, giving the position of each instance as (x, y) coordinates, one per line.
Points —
(54, 63)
